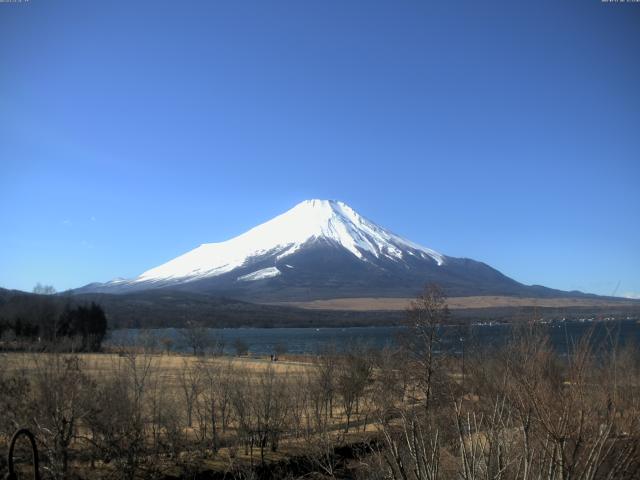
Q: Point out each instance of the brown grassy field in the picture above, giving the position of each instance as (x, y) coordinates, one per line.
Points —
(364, 304)
(99, 364)
(165, 377)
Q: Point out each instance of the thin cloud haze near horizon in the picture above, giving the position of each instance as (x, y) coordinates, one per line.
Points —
(499, 131)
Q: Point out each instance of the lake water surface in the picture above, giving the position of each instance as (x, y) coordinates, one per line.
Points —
(264, 341)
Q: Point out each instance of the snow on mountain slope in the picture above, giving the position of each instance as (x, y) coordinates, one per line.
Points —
(285, 234)
(261, 274)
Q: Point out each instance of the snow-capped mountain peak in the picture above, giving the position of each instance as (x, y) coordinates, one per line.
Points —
(319, 249)
(309, 221)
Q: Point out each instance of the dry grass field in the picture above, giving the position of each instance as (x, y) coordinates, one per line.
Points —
(175, 398)
(395, 304)
(101, 364)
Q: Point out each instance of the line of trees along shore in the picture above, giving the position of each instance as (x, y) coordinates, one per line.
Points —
(518, 412)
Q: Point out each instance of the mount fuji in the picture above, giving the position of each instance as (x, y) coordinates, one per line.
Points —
(320, 249)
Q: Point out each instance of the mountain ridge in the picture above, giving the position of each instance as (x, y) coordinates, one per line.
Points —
(321, 249)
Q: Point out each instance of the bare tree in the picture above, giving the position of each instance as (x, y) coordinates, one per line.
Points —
(200, 339)
(241, 347)
(426, 316)
(411, 437)
(353, 376)
(60, 392)
(119, 425)
(15, 392)
(216, 380)
(326, 364)
(411, 447)
(189, 380)
(241, 396)
(270, 408)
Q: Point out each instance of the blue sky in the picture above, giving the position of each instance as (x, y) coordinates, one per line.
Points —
(507, 132)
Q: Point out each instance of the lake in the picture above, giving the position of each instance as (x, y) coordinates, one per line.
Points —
(264, 341)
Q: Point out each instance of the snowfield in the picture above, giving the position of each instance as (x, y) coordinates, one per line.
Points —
(284, 235)
(269, 272)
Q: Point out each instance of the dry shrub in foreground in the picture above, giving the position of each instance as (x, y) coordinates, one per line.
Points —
(524, 412)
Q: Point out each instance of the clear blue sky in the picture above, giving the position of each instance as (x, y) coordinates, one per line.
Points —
(504, 131)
